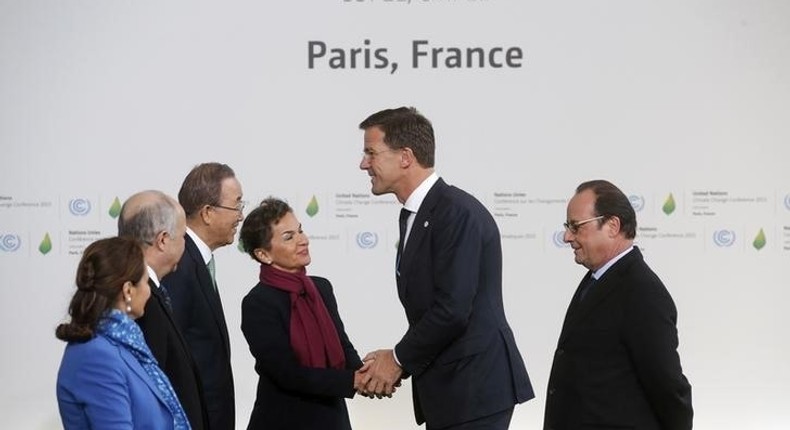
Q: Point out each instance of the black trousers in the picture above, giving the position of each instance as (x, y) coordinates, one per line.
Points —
(497, 421)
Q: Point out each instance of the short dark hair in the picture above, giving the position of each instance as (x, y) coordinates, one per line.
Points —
(256, 231)
(611, 202)
(105, 266)
(203, 186)
(404, 127)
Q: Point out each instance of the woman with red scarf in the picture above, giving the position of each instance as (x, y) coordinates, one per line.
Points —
(306, 363)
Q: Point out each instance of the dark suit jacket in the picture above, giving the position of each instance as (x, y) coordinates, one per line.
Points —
(172, 354)
(291, 396)
(198, 313)
(459, 348)
(616, 363)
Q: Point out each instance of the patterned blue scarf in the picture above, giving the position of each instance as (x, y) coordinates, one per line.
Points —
(117, 326)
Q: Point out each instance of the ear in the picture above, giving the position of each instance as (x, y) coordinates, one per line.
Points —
(262, 256)
(127, 289)
(159, 240)
(205, 214)
(614, 226)
(407, 157)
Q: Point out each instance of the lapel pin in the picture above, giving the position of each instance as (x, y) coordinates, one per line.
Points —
(426, 224)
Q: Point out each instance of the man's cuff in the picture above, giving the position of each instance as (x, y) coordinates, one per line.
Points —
(395, 356)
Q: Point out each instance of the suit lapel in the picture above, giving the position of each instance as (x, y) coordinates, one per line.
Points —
(421, 225)
(162, 303)
(207, 290)
(608, 283)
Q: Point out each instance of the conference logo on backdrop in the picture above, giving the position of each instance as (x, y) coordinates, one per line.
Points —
(724, 238)
(558, 238)
(46, 245)
(637, 202)
(115, 208)
(787, 202)
(312, 207)
(10, 242)
(759, 241)
(669, 205)
(367, 239)
(80, 207)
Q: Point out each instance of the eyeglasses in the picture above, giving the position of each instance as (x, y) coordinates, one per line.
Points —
(369, 154)
(239, 207)
(573, 226)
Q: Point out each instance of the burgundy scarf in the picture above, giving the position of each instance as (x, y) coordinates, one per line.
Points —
(314, 337)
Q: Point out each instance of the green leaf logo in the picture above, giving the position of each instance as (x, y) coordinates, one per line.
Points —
(46, 245)
(312, 207)
(241, 246)
(669, 205)
(115, 208)
(759, 241)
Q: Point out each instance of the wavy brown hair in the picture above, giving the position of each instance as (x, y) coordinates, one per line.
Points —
(104, 268)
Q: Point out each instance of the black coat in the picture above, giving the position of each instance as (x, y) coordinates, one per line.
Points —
(616, 363)
(459, 348)
(197, 310)
(291, 396)
(172, 354)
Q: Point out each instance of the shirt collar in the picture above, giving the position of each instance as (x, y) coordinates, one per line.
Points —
(598, 273)
(414, 201)
(205, 251)
(152, 275)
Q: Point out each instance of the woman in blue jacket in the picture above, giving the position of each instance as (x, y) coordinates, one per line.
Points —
(108, 378)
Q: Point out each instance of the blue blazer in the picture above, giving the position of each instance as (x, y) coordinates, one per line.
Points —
(101, 385)
(459, 348)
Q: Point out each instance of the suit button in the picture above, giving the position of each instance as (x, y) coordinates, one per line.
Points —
(560, 351)
(551, 391)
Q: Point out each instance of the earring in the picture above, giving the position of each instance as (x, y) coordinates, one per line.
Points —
(128, 304)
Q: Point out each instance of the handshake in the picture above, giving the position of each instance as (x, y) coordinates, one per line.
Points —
(379, 375)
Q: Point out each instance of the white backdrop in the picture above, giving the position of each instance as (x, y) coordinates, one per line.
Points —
(675, 101)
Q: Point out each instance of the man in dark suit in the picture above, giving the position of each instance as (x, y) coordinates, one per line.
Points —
(616, 363)
(157, 221)
(211, 198)
(466, 370)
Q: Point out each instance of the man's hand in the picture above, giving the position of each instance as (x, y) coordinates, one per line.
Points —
(382, 375)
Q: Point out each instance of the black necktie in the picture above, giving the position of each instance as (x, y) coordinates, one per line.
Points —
(585, 288)
(404, 217)
(166, 296)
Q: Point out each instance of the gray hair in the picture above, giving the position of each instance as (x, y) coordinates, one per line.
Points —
(144, 220)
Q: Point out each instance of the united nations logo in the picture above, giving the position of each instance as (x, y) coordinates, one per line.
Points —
(637, 202)
(724, 238)
(558, 238)
(787, 202)
(367, 239)
(10, 242)
(80, 207)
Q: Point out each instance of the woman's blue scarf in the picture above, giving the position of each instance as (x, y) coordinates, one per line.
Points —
(117, 326)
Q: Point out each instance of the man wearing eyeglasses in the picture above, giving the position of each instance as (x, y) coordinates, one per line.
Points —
(616, 364)
(212, 200)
